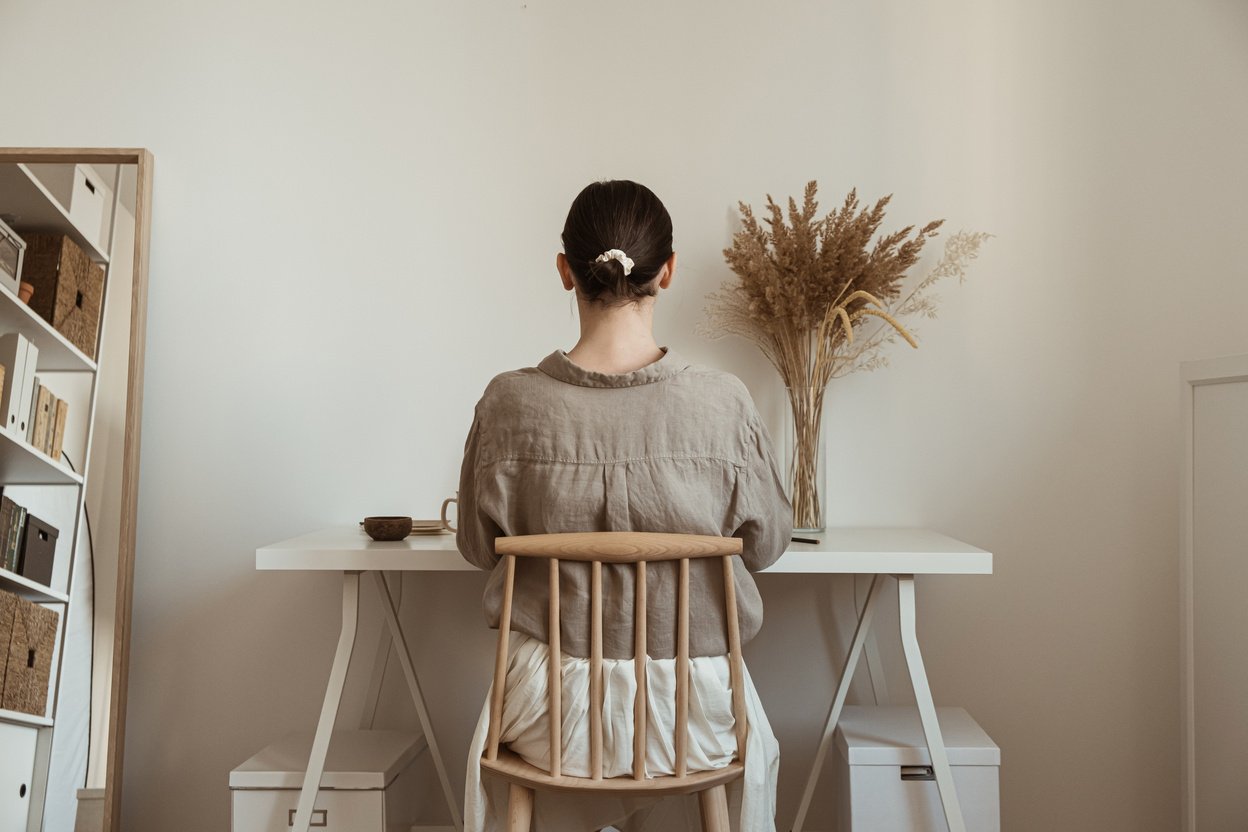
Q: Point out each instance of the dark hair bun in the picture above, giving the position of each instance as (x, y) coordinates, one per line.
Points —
(607, 277)
(617, 214)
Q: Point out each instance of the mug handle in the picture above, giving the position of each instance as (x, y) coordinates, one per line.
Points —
(446, 524)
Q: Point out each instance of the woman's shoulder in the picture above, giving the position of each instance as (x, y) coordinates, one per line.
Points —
(714, 390)
(720, 381)
(719, 387)
(509, 386)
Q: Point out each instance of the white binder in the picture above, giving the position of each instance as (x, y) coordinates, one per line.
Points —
(26, 404)
(19, 357)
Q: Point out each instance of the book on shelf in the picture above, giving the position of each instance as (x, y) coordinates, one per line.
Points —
(58, 431)
(12, 522)
(46, 445)
(13, 544)
(8, 509)
(37, 430)
(46, 425)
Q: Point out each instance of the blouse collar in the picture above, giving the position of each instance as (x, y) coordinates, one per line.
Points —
(558, 366)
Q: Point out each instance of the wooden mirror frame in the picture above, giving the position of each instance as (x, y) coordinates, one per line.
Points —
(142, 159)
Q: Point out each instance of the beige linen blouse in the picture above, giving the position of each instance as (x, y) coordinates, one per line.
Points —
(672, 447)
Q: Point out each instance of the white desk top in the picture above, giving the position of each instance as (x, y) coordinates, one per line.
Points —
(840, 551)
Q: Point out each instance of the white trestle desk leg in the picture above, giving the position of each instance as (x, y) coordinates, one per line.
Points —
(842, 691)
(927, 710)
(373, 695)
(875, 665)
(333, 696)
(418, 699)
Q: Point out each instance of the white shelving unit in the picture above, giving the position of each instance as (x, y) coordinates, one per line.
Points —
(24, 196)
(31, 591)
(55, 351)
(25, 719)
(20, 464)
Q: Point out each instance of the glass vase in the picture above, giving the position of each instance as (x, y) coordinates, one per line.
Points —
(806, 453)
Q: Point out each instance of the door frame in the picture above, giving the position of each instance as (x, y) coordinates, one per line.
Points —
(1193, 374)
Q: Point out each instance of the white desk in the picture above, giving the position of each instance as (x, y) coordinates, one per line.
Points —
(902, 553)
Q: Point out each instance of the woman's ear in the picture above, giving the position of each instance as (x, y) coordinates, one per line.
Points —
(667, 272)
(565, 271)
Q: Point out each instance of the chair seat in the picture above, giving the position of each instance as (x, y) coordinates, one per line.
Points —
(512, 768)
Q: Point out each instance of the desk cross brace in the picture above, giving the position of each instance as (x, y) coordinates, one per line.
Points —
(922, 697)
(333, 698)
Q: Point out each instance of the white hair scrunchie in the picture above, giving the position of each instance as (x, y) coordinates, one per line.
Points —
(616, 254)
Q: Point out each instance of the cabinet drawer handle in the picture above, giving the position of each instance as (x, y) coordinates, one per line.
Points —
(320, 817)
(917, 773)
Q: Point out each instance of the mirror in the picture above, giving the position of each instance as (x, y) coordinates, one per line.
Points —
(74, 228)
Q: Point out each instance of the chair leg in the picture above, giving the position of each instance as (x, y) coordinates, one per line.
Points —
(714, 805)
(519, 809)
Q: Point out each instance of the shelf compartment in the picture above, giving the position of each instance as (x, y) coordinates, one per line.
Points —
(20, 464)
(56, 353)
(24, 196)
(25, 719)
(30, 590)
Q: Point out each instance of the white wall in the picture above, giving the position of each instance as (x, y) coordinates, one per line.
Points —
(356, 213)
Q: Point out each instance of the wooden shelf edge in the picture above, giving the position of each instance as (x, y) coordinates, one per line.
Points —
(71, 155)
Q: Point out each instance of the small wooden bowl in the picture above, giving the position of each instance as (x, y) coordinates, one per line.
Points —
(387, 528)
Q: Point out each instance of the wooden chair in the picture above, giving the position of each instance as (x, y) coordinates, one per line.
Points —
(637, 549)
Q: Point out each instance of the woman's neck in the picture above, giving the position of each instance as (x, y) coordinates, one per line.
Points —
(616, 339)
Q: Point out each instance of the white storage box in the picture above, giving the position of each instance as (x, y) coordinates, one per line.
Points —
(883, 772)
(368, 786)
(81, 192)
(17, 770)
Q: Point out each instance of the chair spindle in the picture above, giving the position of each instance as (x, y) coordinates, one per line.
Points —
(639, 667)
(555, 699)
(735, 659)
(595, 671)
(682, 669)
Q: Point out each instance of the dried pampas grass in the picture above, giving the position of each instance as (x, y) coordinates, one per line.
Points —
(822, 297)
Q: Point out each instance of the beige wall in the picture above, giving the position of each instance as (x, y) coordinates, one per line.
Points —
(356, 212)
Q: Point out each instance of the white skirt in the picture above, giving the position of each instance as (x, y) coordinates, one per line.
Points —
(712, 744)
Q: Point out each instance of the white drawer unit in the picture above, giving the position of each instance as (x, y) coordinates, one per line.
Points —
(17, 766)
(369, 784)
(884, 779)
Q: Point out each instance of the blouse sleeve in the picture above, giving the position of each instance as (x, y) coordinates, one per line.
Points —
(476, 530)
(766, 517)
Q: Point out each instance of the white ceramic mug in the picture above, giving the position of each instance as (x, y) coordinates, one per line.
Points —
(446, 524)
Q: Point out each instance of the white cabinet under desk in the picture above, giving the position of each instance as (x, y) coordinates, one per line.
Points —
(882, 552)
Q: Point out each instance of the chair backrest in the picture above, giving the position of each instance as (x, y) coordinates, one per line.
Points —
(625, 548)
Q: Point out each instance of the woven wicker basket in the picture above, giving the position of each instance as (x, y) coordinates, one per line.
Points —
(69, 287)
(29, 666)
(8, 609)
